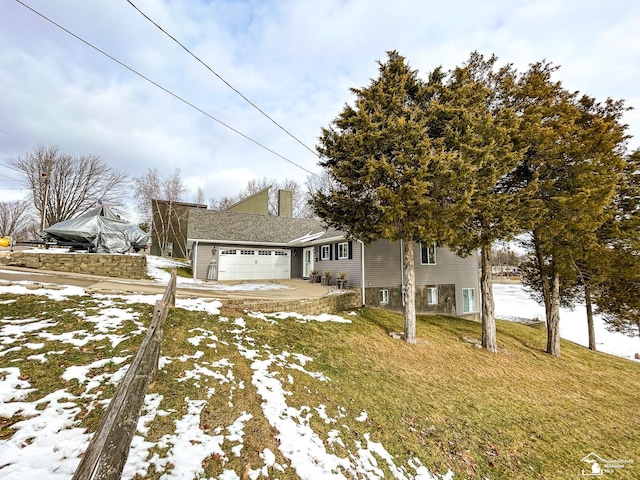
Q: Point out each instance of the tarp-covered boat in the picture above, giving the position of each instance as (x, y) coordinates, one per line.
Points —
(99, 230)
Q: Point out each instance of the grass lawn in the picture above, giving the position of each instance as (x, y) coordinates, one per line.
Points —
(516, 414)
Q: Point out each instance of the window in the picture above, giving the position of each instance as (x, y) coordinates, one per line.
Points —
(432, 295)
(264, 252)
(281, 254)
(246, 252)
(343, 250)
(384, 296)
(468, 300)
(227, 252)
(325, 252)
(428, 254)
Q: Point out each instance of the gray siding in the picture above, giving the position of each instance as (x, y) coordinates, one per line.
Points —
(349, 266)
(383, 269)
(450, 269)
(202, 254)
(382, 264)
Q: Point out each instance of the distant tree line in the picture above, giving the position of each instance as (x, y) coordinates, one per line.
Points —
(505, 257)
(483, 153)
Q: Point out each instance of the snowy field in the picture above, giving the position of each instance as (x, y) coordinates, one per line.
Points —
(513, 303)
(48, 441)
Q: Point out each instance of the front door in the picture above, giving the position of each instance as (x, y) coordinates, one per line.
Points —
(307, 266)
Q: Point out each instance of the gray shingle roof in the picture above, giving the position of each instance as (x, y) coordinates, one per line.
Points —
(246, 227)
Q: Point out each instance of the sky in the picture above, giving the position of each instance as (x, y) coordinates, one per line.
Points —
(295, 59)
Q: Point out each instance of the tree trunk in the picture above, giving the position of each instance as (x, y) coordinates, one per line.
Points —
(409, 292)
(553, 320)
(489, 340)
(544, 279)
(592, 331)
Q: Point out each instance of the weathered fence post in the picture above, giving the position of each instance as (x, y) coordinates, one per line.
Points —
(108, 450)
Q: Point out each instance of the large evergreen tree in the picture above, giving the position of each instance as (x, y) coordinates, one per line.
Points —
(616, 293)
(573, 160)
(389, 179)
(474, 118)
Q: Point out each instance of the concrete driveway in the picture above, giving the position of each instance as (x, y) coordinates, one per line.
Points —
(259, 290)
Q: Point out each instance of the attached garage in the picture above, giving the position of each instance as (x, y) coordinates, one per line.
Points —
(245, 246)
(254, 264)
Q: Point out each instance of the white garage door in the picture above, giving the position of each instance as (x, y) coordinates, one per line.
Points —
(253, 264)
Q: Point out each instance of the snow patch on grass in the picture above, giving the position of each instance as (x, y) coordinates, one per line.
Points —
(323, 317)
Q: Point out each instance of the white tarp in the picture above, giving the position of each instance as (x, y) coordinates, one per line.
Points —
(101, 230)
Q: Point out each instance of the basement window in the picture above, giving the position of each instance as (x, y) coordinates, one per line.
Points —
(468, 300)
(432, 295)
(384, 296)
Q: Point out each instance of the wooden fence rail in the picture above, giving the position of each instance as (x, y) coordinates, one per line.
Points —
(108, 450)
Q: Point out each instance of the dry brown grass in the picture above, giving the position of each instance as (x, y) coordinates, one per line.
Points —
(516, 414)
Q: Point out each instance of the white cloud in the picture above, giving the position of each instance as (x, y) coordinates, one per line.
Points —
(295, 59)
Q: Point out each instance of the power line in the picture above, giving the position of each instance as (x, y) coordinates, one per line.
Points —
(222, 79)
(11, 136)
(186, 102)
(10, 167)
(7, 176)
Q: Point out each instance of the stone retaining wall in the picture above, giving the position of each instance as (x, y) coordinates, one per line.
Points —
(313, 306)
(103, 264)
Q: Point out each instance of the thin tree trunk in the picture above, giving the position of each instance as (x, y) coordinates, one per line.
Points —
(544, 279)
(489, 340)
(592, 331)
(553, 320)
(409, 292)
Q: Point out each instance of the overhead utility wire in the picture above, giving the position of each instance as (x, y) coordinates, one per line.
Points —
(14, 138)
(222, 79)
(7, 176)
(165, 90)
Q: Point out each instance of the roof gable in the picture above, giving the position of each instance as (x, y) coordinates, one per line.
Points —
(258, 203)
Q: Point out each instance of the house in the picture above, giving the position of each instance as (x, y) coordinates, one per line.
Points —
(240, 245)
(169, 219)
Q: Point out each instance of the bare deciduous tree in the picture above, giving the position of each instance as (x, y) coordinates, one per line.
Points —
(221, 204)
(152, 186)
(169, 228)
(321, 182)
(63, 186)
(15, 220)
(199, 196)
(158, 201)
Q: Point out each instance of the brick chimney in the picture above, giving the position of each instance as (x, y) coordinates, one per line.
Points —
(285, 203)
